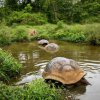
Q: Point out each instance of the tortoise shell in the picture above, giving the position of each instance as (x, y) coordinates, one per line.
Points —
(66, 71)
(52, 47)
(43, 42)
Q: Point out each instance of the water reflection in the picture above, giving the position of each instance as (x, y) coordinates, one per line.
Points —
(34, 59)
(35, 54)
(32, 75)
(76, 91)
(26, 79)
(26, 56)
(93, 91)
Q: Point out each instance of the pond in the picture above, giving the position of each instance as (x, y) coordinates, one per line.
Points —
(34, 59)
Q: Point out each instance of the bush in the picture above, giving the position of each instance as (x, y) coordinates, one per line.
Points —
(60, 24)
(20, 35)
(34, 19)
(4, 12)
(9, 67)
(26, 18)
(28, 8)
(70, 34)
(5, 36)
(92, 33)
(75, 36)
(37, 90)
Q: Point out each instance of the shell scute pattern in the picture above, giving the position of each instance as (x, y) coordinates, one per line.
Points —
(64, 70)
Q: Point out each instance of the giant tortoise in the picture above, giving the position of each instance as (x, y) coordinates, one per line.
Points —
(52, 47)
(43, 42)
(65, 71)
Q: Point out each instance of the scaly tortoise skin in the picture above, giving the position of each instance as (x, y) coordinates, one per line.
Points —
(66, 71)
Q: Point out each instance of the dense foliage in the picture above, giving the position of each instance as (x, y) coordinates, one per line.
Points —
(9, 67)
(5, 36)
(37, 90)
(26, 20)
(88, 33)
(70, 11)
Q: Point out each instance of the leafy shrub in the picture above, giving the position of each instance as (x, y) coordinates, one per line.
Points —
(70, 35)
(75, 36)
(93, 34)
(20, 35)
(26, 18)
(28, 8)
(37, 90)
(92, 19)
(34, 19)
(14, 17)
(60, 24)
(9, 67)
(59, 35)
(5, 36)
(4, 12)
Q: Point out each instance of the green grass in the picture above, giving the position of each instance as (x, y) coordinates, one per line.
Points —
(88, 33)
(20, 35)
(36, 90)
(9, 67)
(77, 33)
(5, 35)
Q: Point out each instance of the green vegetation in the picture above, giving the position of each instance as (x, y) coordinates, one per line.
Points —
(70, 11)
(88, 33)
(23, 17)
(5, 35)
(75, 21)
(9, 67)
(37, 90)
(65, 14)
(19, 35)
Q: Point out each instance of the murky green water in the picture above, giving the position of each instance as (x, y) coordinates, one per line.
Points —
(34, 60)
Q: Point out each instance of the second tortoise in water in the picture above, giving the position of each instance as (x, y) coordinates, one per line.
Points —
(51, 47)
(43, 42)
(66, 71)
